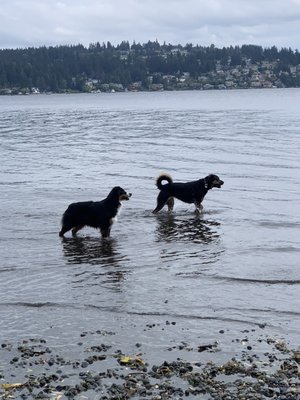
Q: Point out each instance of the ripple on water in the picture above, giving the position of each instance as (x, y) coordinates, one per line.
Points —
(236, 262)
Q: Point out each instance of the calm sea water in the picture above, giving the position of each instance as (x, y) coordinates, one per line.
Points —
(235, 267)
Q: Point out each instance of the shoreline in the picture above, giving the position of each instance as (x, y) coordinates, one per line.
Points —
(148, 91)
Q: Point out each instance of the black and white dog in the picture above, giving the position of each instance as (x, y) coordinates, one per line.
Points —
(97, 214)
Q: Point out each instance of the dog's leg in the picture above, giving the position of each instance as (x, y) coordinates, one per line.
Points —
(199, 207)
(162, 199)
(76, 229)
(170, 203)
(64, 229)
(105, 232)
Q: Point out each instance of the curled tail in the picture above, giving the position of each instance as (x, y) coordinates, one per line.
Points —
(163, 177)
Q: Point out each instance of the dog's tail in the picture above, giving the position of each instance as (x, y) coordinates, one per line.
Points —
(163, 177)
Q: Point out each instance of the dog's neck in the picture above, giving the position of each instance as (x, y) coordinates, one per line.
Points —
(206, 184)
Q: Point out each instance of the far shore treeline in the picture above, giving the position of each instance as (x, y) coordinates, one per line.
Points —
(148, 66)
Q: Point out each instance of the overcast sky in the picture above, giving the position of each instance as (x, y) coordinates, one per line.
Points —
(26, 23)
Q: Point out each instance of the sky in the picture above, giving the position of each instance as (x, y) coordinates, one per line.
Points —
(34, 23)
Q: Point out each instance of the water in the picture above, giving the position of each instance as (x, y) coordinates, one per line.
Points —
(235, 267)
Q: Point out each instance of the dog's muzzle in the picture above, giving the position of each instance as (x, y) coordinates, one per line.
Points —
(125, 196)
(219, 184)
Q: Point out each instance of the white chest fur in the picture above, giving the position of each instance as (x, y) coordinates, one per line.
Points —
(115, 219)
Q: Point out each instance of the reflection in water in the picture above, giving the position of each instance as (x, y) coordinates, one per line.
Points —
(94, 252)
(170, 228)
(81, 250)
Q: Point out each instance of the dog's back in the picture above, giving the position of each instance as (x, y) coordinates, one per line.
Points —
(84, 213)
(187, 192)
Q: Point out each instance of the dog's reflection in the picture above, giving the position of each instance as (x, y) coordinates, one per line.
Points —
(175, 228)
(91, 253)
(89, 250)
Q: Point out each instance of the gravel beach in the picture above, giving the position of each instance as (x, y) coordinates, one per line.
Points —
(263, 367)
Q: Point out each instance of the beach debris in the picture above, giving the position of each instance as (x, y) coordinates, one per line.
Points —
(208, 347)
(296, 356)
(131, 361)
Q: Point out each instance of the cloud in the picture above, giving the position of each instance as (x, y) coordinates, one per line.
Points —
(221, 22)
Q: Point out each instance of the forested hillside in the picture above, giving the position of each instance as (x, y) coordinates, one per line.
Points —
(146, 66)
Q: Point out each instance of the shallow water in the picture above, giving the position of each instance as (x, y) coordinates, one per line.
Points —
(236, 266)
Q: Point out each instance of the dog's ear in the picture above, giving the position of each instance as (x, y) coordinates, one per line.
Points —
(209, 179)
(115, 192)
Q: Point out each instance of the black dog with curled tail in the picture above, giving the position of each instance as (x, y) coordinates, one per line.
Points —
(97, 214)
(188, 192)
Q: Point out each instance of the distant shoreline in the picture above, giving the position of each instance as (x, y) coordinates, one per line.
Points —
(143, 91)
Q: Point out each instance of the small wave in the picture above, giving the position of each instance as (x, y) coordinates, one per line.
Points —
(198, 317)
(14, 183)
(261, 311)
(259, 281)
(275, 224)
(2, 270)
(266, 249)
(116, 310)
(287, 249)
(38, 304)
